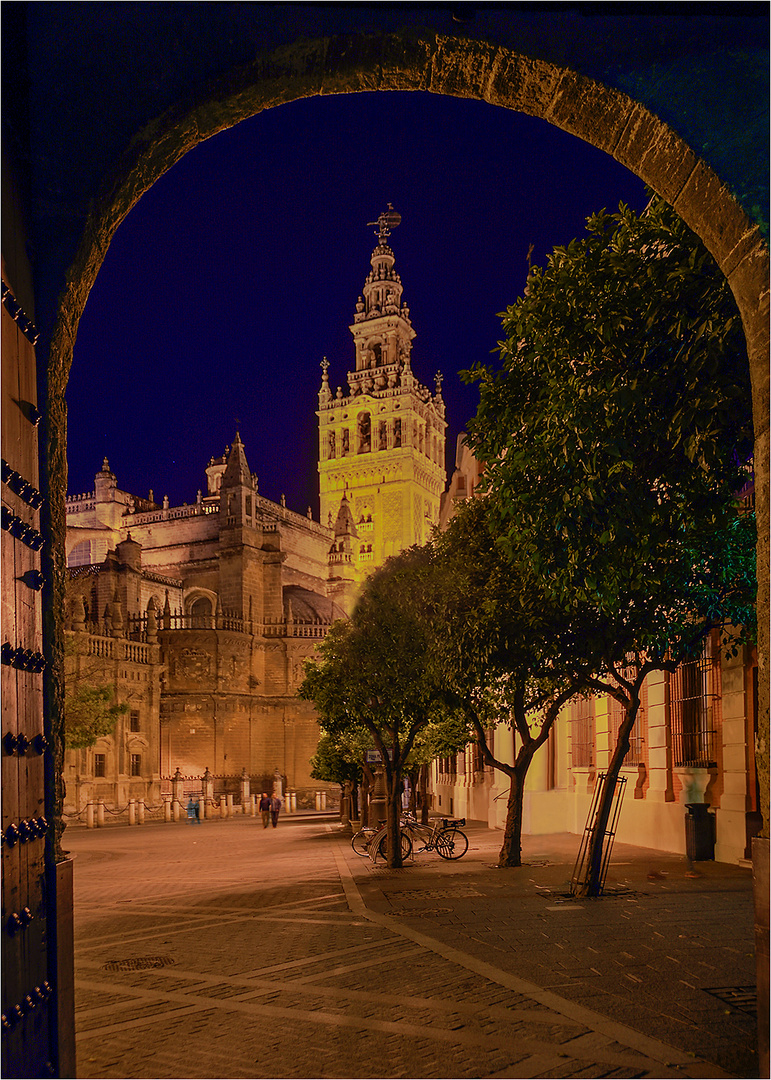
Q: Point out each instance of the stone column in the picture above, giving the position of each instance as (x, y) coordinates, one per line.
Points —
(245, 791)
(177, 793)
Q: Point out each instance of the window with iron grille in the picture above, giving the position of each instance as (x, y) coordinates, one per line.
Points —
(637, 736)
(582, 731)
(100, 765)
(136, 764)
(694, 708)
(134, 720)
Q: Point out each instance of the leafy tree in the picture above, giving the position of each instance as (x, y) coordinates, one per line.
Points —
(90, 711)
(507, 655)
(615, 434)
(378, 671)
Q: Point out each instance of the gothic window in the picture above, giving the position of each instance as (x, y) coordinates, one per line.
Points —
(200, 610)
(420, 438)
(331, 444)
(100, 765)
(365, 433)
(80, 555)
(248, 506)
(134, 720)
(346, 446)
(397, 432)
(136, 764)
(383, 436)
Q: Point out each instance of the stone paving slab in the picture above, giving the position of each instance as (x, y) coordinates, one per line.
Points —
(229, 951)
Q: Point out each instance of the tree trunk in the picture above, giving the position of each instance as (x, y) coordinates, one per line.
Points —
(393, 811)
(511, 851)
(414, 775)
(424, 794)
(367, 783)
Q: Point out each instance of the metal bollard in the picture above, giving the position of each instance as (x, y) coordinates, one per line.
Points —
(132, 812)
(100, 814)
(141, 812)
(90, 816)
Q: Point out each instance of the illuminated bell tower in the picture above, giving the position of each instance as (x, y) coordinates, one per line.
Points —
(382, 445)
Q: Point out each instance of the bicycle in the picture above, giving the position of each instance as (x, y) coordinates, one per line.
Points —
(445, 837)
(361, 841)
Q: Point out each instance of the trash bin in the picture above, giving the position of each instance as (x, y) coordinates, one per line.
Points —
(699, 832)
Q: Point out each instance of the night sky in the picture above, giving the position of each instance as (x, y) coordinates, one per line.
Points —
(240, 268)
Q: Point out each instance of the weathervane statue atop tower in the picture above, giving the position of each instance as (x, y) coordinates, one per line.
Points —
(386, 221)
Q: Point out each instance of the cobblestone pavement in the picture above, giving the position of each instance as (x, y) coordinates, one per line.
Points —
(225, 950)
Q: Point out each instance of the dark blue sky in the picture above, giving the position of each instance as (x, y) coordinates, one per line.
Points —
(239, 270)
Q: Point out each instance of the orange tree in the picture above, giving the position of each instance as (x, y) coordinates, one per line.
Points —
(378, 671)
(616, 433)
(508, 655)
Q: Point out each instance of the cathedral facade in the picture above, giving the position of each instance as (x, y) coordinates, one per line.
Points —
(203, 615)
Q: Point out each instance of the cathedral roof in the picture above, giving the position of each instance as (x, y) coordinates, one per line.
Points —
(237, 471)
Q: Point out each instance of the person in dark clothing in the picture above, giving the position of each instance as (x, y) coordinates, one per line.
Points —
(275, 807)
(265, 802)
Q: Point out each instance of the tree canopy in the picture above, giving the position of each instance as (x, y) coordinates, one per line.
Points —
(616, 433)
(378, 671)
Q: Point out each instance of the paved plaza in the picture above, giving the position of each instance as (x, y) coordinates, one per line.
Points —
(226, 950)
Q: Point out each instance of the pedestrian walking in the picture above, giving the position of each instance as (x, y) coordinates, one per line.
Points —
(275, 807)
(265, 802)
(193, 812)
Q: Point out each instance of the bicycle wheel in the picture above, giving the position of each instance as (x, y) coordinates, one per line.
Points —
(406, 847)
(360, 841)
(451, 844)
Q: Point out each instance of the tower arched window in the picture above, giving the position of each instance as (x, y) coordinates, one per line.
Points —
(365, 433)
(398, 432)
(332, 448)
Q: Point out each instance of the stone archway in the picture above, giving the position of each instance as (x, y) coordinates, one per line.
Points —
(602, 116)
